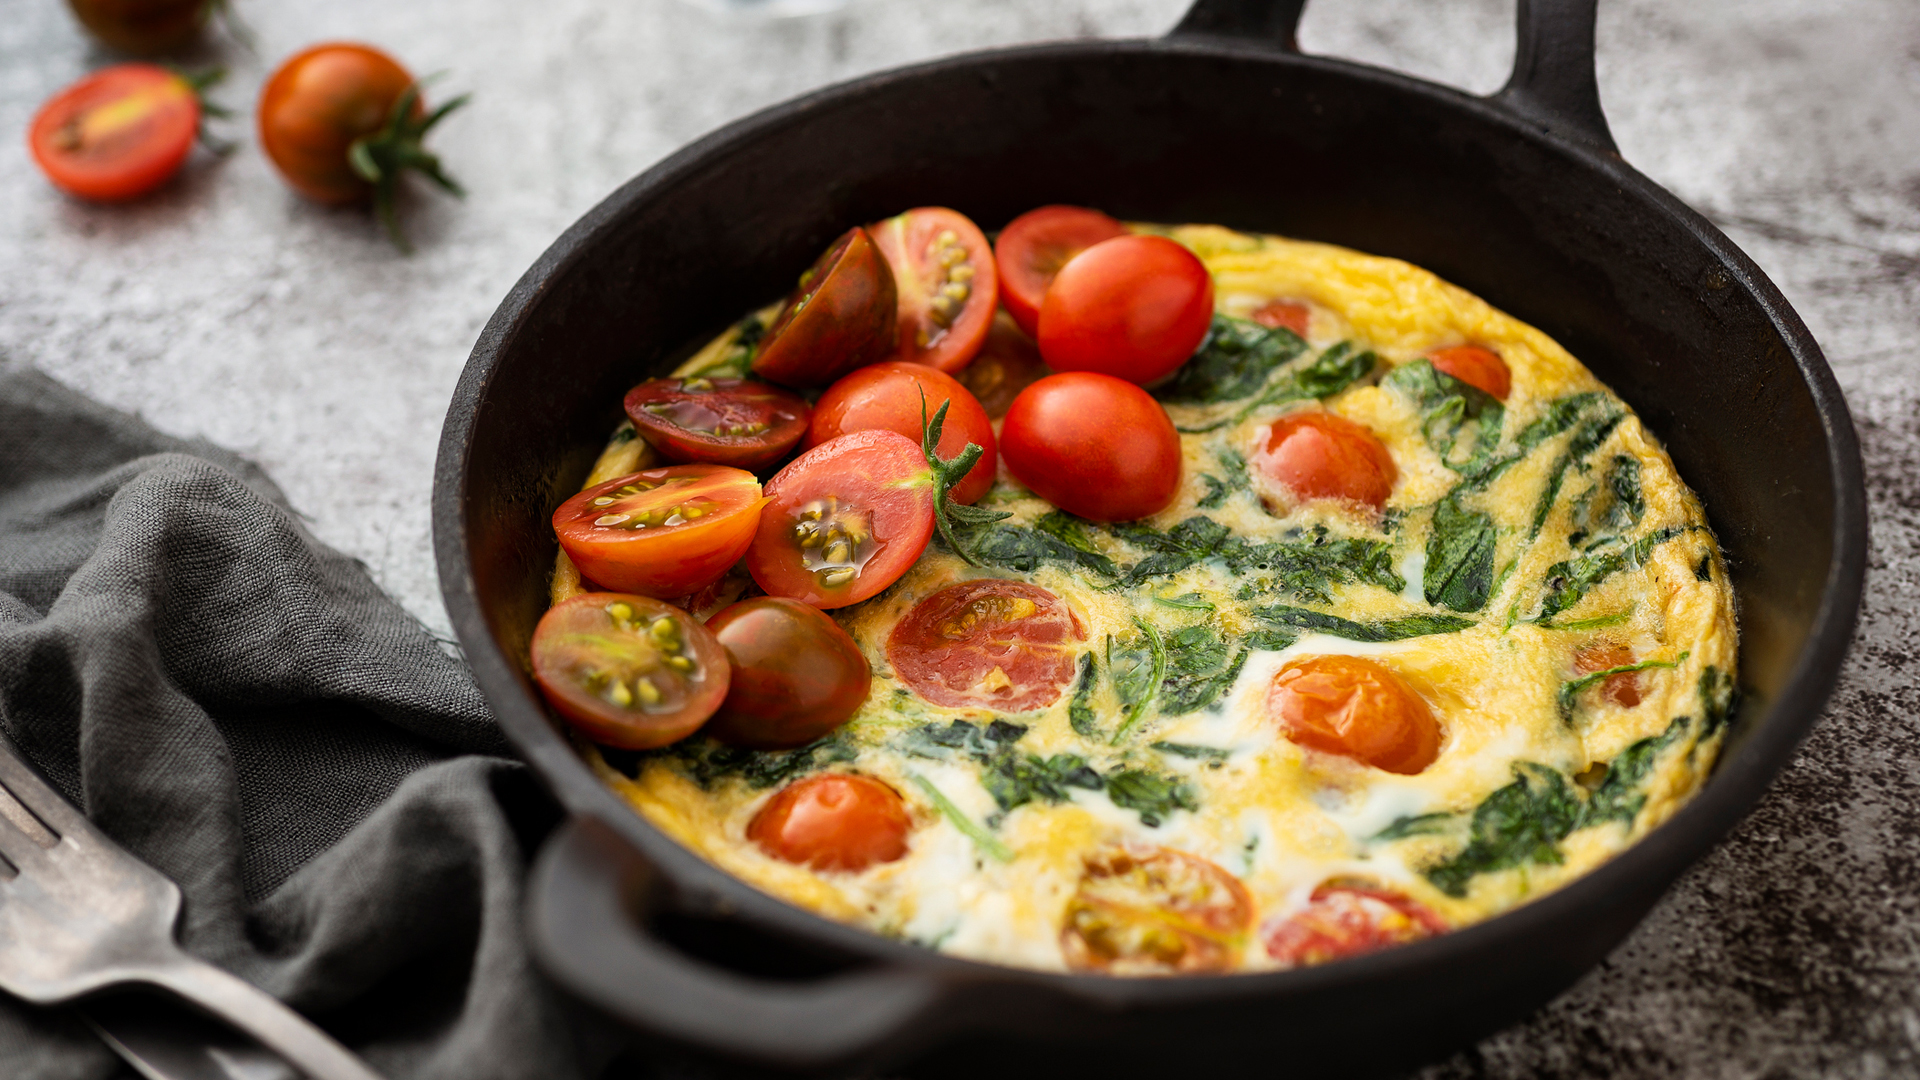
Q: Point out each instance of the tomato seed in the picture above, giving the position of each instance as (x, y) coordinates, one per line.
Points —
(697, 385)
(835, 576)
(618, 694)
(680, 663)
(649, 693)
(612, 519)
(604, 500)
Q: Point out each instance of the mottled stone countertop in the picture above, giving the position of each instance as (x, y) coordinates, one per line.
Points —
(228, 308)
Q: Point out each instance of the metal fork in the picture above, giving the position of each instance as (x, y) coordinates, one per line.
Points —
(78, 914)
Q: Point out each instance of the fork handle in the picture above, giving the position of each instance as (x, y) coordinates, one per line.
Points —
(305, 1047)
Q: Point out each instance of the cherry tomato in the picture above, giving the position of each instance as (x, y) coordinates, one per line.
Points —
(1008, 363)
(891, 396)
(120, 132)
(628, 671)
(833, 821)
(142, 27)
(1134, 307)
(1034, 246)
(1320, 455)
(1347, 917)
(1622, 689)
(1278, 313)
(1475, 366)
(948, 286)
(844, 520)
(796, 674)
(664, 532)
(840, 317)
(1154, 911)
(1093, 445)
(317, 104)
(1357, 708)
(988, 644)
(737, 422)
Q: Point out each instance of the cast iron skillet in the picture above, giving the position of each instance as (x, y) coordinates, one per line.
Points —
(1520, 197)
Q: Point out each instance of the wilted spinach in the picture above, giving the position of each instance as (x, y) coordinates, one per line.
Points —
(707, 762)
(1459, 571)
(1152, 796)
(1586, 439)
(1570, 689)
(1566, 582)
(1234, 465)
(1718, 698)
(1460, 422)
(1136, 667)
(1200, 666)
(1198, 537)
(1057, 538)
(1408, 626)
(1331, 372)
(1619, 797)
(1233, 362)
(1080, 715)
(1521, 823)
(1307, 566)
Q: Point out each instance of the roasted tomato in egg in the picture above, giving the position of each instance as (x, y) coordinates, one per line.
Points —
(840, 317)
(1093, 445)
(1034, 246)
(1134, 307)
(1321, 455)
(627, 670)
(1476, 366)
(1622, 688)
(948, 285)
(1348, 917)
(796, 674)
(897, 397)
(120, 132)
(1357, 708)
(664, 532)
(738, 422)
(833, 821)
(844, 520)
(1289, 314)
(1008, 363)
(1154, 911)
(988, 644)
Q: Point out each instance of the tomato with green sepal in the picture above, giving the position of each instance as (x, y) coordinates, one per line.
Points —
(833, 821)
(1033, 247)
(1093, 445)
(844, 520)
(119, 132)
(948, 286)
(841, 316)
(628, 671)
(664, 532)
(744, 423)
(1357, 708)
(1310, 455)
(895, 396)
(1134, 307)
(796, 674)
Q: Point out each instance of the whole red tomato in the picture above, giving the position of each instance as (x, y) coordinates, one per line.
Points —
(1093, 445)
(1134, 307)
(118, 133)
(894, 396)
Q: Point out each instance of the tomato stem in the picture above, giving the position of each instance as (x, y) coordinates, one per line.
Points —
(200, 82)
(947, 472)
(382, 157)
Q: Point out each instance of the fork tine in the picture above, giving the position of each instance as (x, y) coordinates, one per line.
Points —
(42, 801)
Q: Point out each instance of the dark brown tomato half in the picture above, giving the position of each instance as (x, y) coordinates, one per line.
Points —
(744, 423)
(665, 532)
(844, 520)
(796, 674)
(990, 644)
(842, 316)
(1144, 910)
(1349, 917)
(948, 285)
(627, 670)
(1008, 363)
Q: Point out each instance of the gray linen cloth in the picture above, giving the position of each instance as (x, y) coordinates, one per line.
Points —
(241, 707)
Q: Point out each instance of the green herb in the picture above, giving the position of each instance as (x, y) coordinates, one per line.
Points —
(1017, 779)
(1562, 413)
(1192, 601)
(707, 762)
(1619, 798)
(1269, 640)
(1136, 675)
(1460, 422)
(1629, 504)
(1212, 754)
(1198, 537)
(1308, 569)
(1234, 465)
(1570, 690)
(1703, 570)
(1718, 699)
(1080, 716)
(983, 839)
(1521, 823)
(1566, 582)
(1596, 623)
(1154, 797)
(1018, 547)
(962, 738)
(947, 514)
(1459, 571)
(1331, 372)
(1434, 824)
(1586, 439)
(1409, 626)
(1233, 362)
(1199, 668)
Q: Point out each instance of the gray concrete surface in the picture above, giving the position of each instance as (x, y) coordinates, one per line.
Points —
(226, 307)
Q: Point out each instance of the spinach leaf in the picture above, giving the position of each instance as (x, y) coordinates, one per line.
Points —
(1269, 640)
(1570, 690)
(1213, 755)
(1629, 504)
(1568, 581)
(1562, 413)
(1058, 538)
(1586, 439)
(1521, 823)
(707, 762)
(1198, 537)
(1199, 668)
(1308, 569)
(1154, 797)
(1718, 698)
(1433, 824)
(985, 840)
(1192, 601)
(961, 738)
(1233, 362)
(1136, 673)
(1409, 626)
(1459, 421)
(1234, 465)
(1459, 572)
(1619, 797)
(1017, 779)
(1331, 372)
(1080, 715)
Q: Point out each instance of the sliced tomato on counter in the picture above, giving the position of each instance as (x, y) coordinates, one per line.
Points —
(898, 397)
(1321, 455)
(1134, 307)
(988, 644)
(796, 674)
(744, 423)
(664, 532)
(1034, 246)
(1476, 366)
(1144, 910)
(1357, 708)
(840, 317)
(1093, 445)
(1008, 363)
(833, 821)
(628, 671)
(844, 520)
(949, 288)
(117, 133)
(1623, 689)
(1277, 314)
(1348, 917)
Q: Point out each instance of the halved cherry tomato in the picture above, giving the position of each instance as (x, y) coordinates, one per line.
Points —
(1154, 911)
(796, 674)
(118, 133)
(833, 821)
(840, 317)
(1008, 363)
(143, 27)
(1475, 366)
(1134, 307)
(628, 671)
(1321, 455)
(1093, 445)
(988, 644)
(1355, 707)
(844, 520)
(948, 286)
(1278, 313)
(1034, 246)
(894, 396)
(1348, 917)
(1622, 689)
(739, 422)
(664, 532)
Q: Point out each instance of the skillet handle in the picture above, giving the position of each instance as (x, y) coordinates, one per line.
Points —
(587, 887)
